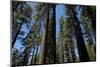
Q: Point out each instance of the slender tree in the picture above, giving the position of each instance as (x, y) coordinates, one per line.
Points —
(88, 34)
(49, 42)
(83, 54)
(61, 22)
(53, 35)
(89, 20)
(41, 9)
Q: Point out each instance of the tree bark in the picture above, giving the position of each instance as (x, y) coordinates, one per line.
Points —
(43, 49)
(62, 49)
(53, 36)
(83, 54)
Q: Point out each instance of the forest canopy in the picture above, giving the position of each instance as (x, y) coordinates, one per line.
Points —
(48, 33)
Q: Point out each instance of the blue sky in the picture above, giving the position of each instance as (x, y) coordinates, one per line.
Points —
(59, 13)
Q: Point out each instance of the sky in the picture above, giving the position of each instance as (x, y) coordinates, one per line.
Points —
(59, 13)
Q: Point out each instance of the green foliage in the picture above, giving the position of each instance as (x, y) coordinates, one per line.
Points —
(89, 33)
(43, 28)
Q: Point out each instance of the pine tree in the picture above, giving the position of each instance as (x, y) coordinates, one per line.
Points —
(88, 34)
(83, 54)
(61, 22)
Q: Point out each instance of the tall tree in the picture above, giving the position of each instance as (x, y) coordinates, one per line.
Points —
(89, 18)
(43, 13)
(69, 46)
(61, 22)
(89, 37)
(53, 35)
(50, 43)
(83, 54)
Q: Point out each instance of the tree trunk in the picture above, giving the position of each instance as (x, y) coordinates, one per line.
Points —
(53, 36)
(92, 36)
(92, 16)
(43, 47)
(62, 49)
(61, 21)
(90, 45)
(83, 54)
